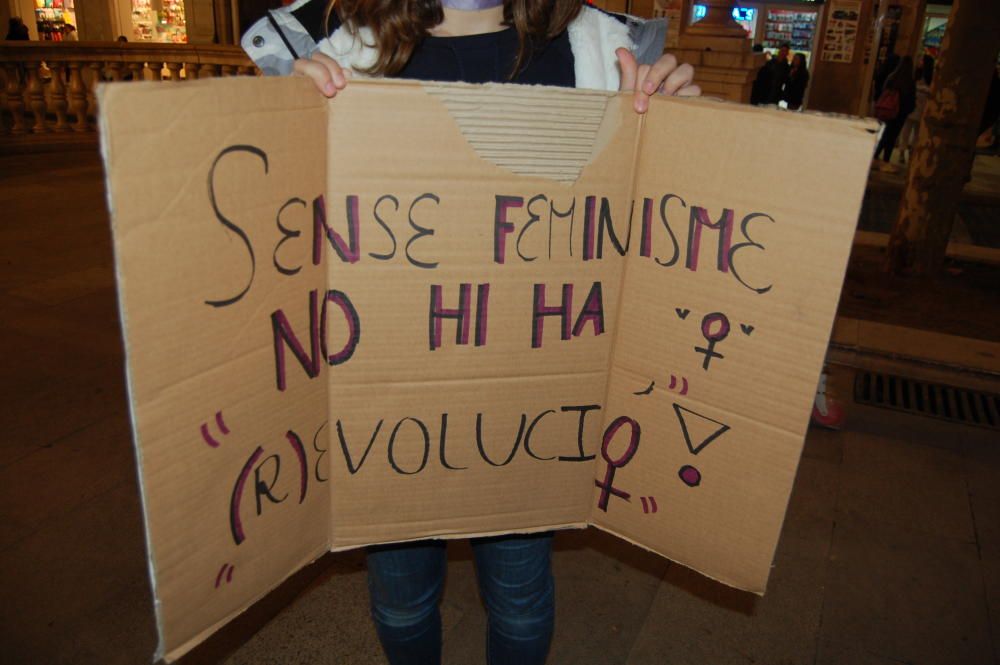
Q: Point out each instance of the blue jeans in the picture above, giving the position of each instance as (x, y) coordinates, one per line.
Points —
(515, 582)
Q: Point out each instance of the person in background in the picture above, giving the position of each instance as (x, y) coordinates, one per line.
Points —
(901, 82)
(828, 411)
(70, 33)
(908, 139)
(778, 69)
(761, 84)
(767, 87)
(991, 116)
(795, 87)
(882, 73)
(17, 30)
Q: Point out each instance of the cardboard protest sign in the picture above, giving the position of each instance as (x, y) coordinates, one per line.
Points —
(424, 311)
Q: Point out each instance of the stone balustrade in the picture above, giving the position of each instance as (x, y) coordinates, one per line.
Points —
(49, 87)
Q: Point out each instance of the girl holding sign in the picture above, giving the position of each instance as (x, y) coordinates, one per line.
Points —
(539, 42)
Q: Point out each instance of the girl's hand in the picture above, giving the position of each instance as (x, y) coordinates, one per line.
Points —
(324, 71)
(664, 76)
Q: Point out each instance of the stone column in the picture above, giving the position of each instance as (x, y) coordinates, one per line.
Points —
(718, 48)
(5, 14)
(200, 18)
(226, 31)
(121, 18)
(94, 22)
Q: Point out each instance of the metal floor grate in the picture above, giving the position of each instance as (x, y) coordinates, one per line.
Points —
(961, 405)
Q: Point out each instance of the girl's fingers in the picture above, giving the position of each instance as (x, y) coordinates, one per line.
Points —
(664, 76)
(658, 73)
(691, 90)
(629, 67)
(631, 74)
(679, 78)
(337, 73)
(641, 102)
(319, 74)
(324, 71)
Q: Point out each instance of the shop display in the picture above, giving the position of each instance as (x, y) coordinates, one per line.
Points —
(172, 25)
(159, 21)
(53, 18)
(933, 36)
(794, 27)
(143, 21)
(841, 31)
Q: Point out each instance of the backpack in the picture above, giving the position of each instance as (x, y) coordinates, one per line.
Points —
(887, 106)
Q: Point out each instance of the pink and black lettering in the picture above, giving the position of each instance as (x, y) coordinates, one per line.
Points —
(540, 310)
(462, 315)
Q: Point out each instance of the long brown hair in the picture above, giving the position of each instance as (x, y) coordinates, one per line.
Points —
(399, 26)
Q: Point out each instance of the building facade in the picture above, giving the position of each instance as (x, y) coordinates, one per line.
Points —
(844, 41)
(164, 21)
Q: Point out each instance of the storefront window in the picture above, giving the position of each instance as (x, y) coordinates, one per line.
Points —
(797, 28)
(933, 33)
(159, 21)
(771, 24)
(55, 19)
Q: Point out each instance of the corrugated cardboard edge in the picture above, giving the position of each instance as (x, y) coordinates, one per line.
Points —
(573, 138)
(845, 123)
(105, 93)
(848, 123)
(870, 125)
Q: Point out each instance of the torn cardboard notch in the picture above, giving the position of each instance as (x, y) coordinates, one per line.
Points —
(531, 131)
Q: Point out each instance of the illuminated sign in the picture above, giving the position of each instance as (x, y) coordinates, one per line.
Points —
(739, 13)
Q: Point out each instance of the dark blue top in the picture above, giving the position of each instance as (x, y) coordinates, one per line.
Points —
(489, 58)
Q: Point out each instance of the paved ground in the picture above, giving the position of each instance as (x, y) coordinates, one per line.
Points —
(978, 218)
(977, 222)
(984, 186)
(890, 553)
(957, 302)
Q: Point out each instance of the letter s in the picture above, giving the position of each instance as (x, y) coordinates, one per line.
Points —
(254, 150)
